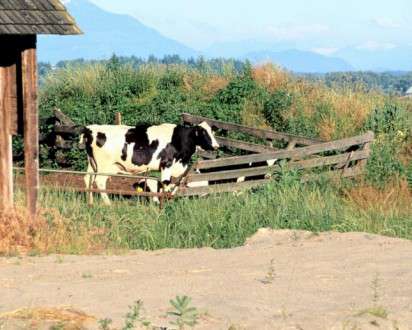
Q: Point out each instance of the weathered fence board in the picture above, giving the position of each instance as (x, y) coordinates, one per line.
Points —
(219, 188)
(118, 118)
(229, 174)
(329, 160)
(248, 146)
(258, 132)
(239, 186)
(207, 154)
(297, 153)
(62, 118)
(263, 170)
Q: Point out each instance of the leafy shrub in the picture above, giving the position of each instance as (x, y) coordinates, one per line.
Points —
(276, 107)
(392, 128)
(384, 163)
(390, 119)
(171, 80)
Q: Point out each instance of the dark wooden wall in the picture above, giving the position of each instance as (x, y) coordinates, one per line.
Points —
(18, 113)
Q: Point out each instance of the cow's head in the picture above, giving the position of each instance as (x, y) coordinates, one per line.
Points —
(205, 138)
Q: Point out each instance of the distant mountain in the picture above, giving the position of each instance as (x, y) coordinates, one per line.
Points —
(300, 61)
(106, 33)
(239, 48)
(390, 59)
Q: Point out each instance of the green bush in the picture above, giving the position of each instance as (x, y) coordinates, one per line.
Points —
(384, 163)
(275, 109)
(392, 127)
(391, 119)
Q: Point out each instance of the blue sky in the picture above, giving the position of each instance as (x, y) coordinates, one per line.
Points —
(320, 25)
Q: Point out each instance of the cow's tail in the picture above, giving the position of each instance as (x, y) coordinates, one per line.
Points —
(86, 140)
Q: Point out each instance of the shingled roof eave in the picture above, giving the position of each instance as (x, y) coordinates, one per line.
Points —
(42, 17)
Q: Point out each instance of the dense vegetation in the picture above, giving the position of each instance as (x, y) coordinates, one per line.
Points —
(389, 82)
(264, 96)
(225, 220)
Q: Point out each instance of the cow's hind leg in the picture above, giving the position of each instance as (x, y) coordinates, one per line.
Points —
(89, 180)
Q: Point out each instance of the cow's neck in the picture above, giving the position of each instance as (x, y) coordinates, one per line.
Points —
(185, 144)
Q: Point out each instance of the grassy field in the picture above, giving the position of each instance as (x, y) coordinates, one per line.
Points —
(380, 202)
(226, 220)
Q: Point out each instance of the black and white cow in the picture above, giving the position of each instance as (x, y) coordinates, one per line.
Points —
(124, 149)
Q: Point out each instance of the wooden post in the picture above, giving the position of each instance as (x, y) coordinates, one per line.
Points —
(362, 164)
(6, 155)
(31, 124)
(291, 145)
(118, 118)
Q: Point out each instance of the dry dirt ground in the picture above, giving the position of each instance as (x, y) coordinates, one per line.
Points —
(278, 280)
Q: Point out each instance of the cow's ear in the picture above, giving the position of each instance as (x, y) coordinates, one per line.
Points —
(214, 128)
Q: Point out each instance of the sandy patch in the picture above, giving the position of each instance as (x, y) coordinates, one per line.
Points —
(278, 280)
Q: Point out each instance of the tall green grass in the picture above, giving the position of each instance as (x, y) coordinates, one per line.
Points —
(226, 220)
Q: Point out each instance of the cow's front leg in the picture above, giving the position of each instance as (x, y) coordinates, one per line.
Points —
(166, 178)
(101, 181)
(89, 180)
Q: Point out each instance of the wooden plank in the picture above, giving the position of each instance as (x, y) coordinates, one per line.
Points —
(367, 147)
(263, 170)
(66, 172)
(232, 187)
(6, 155)
(118, 118)
(230, 174)
(261, 133)
(111, 191)
(220, 188)
(66, 130)
(62, 118)
(297, 153)
(291, 145)
(329, 160)
(31, 123)
(207, 154)
(242, 145)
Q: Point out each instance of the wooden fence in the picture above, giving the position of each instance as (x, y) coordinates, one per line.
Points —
(345, 157)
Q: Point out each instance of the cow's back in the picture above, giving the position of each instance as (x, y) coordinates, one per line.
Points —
(110, 146)
(108, 138)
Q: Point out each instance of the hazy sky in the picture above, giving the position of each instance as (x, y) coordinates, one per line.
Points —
(320, 25)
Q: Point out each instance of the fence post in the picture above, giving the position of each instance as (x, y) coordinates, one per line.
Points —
(362, 164)
(118, 118)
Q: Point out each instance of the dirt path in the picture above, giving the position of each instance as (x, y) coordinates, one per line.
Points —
(278, 280)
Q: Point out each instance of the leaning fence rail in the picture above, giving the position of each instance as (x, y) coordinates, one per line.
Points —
(48, 170)
(160, 195)
(257, 132)
(298, 153)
